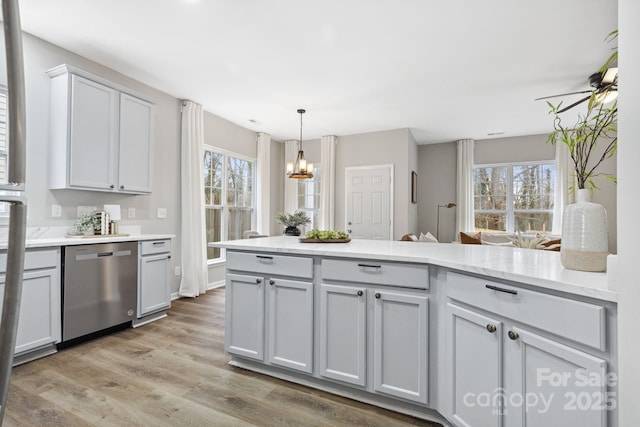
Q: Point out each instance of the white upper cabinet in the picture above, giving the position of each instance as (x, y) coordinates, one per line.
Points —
(101, 134)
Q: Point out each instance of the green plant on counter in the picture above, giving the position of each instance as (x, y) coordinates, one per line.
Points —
(293, 220)
(85, 223)
(327, 234)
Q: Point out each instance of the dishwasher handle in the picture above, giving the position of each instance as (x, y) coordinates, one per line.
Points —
(96, 255)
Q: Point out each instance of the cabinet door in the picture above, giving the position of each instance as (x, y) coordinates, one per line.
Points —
(93, 136)
(134, 160)
(343, 333)
(562, 386)
(244, 325)
(400, 344)
(475, 354)
(39, 321)
(291, 324)
(153, 285)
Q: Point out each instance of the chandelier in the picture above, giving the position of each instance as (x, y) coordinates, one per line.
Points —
(300, 169)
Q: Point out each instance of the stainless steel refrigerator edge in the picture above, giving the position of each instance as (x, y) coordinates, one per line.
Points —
(99, 287)
(16, 183)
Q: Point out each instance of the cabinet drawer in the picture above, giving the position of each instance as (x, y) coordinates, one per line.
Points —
(34, 259)
(270, 264)
(380, 273)
(155, 246)
(574, 320)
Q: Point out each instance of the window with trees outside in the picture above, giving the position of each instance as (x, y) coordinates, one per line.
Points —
(309, 197)
(514, 197)
(229, 182)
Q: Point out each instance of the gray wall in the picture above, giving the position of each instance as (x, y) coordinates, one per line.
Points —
(437, 186)
(40, 56)
(437, 178)
(378, 148)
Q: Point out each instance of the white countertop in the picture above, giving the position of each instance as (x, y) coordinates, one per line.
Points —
(71, 241)
(533, 267)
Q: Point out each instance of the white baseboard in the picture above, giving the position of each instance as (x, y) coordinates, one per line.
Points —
(175, 295)
(218, 284)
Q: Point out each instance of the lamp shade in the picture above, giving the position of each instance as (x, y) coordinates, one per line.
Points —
(113, 211)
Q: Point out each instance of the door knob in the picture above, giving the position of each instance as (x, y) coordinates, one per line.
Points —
(513, 335)
(349, 223)
(491, 328)
(349, 231)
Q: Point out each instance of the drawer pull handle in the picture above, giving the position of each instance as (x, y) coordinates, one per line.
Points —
(513, 335)
(491, 328)
(369, 266)
(258, 281)
(359, 293)
(264, 257)
(272, 282)
(158, 243)
(377, 295)
(506, 291)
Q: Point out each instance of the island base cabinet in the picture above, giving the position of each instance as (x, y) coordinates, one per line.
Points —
(561, 386)
(290, 324)
(244, 334)
(343, 331)
(400, 345)
(476, 367)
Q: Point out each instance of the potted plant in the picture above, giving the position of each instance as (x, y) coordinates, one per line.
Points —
(590, 140)
(292, 222)
(85, 225)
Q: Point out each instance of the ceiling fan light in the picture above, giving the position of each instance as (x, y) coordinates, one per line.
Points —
(606, 97)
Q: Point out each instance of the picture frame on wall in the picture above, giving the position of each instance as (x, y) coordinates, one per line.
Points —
(414, 187)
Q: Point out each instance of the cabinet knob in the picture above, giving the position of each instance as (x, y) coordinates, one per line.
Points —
(359, 293)
(272, 282)
(513, 335)
(169, 257)
(258, 281)
(491, 328)
(112, 186)
(122, 187)
(377, 295)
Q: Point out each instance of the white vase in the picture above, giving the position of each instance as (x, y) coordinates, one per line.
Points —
(585, 239)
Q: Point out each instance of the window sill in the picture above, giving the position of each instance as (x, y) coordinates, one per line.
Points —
(216, 262)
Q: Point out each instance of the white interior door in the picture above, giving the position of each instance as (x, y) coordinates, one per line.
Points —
(369, 200)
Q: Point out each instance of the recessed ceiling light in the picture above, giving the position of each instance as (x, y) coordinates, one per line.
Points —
(496, 133)
(254, 121)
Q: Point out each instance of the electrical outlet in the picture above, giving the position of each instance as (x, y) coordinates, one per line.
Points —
(131, 213)
(83, 210)
(162, 212)
(177, 271)
(56, 211)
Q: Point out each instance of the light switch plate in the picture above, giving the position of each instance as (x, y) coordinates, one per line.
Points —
(56, 211)
(131, 212)
(177, 271)
(162, 212)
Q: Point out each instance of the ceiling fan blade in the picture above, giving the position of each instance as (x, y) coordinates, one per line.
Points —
(563, 94)
(573, 105)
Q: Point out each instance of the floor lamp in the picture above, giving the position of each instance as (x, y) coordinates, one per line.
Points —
(448, 206)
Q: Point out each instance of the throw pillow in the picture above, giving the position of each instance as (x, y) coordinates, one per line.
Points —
(471, 238)
(427, 238)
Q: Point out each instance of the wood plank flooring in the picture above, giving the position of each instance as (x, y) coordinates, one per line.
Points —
(172, 372)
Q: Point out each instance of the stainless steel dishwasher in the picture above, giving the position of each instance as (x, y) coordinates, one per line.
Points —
(99, 287)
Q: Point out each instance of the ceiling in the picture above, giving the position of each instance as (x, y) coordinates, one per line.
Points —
(446, 70)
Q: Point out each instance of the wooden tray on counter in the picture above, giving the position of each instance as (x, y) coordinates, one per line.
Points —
(305, 240)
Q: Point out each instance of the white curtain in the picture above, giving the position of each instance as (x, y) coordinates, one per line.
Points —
(193, 238)
(290, 185)
(328, 182)
(564, 166)
(263, 187)
(464, 187)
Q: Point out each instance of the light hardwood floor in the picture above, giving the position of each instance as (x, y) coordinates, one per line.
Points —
(172, 372)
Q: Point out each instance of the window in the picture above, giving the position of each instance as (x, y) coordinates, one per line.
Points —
(229, 182)
(4, 153)
(514, 197)
(309, 197)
